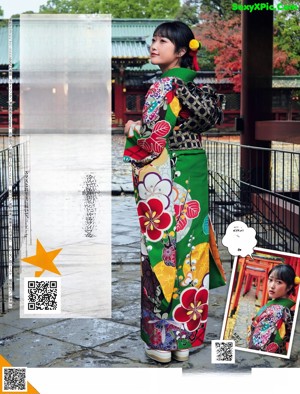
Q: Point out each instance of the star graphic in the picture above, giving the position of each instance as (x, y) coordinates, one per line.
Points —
(43, 259)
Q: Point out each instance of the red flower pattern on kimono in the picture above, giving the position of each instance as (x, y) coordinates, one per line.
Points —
(193, 308)
(156, 142)
(189, 210)
(153, 219)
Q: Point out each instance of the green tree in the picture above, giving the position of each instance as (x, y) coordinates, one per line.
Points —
(2, 22)
(287, 33)
(62, 7)
(163, 9)
(117, 8)
(125, 8)
(189, 12)
(222, 7)
(17, 16)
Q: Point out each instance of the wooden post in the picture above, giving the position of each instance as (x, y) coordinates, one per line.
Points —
(256, 94)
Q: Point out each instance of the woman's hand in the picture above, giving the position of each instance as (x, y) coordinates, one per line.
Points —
(129, 124)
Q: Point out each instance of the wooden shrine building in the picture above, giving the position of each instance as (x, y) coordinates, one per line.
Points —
(132, 74)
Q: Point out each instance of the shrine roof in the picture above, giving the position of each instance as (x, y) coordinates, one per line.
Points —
(130, 39)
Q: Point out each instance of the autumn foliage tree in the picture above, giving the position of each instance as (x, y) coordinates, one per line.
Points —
(224, 38)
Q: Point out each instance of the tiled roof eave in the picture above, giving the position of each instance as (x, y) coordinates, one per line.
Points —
(286, 84)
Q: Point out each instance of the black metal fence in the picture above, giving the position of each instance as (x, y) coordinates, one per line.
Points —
(10, 209)
(258, 186)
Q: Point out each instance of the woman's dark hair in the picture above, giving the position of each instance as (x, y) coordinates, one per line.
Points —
(286, 273)
(180, 35)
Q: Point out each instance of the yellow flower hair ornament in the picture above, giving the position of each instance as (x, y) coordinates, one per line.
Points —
(297, 280)
(194, 45)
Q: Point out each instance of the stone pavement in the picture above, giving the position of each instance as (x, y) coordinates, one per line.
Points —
(115, 342)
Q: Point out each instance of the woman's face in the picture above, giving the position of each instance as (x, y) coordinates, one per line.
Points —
(277, 288)
(163, 53)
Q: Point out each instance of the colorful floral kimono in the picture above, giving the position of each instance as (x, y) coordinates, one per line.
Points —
(171, 192)
(271, 327)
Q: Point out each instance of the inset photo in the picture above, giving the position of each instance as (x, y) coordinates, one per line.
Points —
(262, 303)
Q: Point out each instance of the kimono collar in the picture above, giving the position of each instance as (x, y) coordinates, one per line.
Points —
(286, 302)
(185, 74)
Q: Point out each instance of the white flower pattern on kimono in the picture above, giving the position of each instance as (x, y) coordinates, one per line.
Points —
(154, 186)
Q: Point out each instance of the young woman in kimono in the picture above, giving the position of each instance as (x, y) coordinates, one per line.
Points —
(271, 327)
(171, 191)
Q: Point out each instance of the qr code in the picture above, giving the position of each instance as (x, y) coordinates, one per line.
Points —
(223, 352)
(42, 296)
(14, 379)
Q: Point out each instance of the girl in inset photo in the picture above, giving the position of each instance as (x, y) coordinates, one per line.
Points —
(271, 327)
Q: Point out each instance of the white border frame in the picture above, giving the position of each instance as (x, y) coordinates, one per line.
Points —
(288, 355)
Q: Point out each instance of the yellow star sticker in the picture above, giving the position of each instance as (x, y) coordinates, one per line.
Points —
(43, 259)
